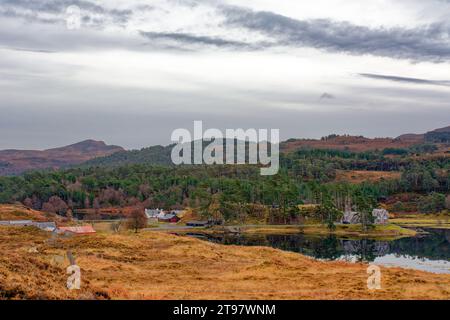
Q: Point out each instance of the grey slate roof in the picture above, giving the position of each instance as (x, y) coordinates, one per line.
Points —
(45, 225)
(168, 216)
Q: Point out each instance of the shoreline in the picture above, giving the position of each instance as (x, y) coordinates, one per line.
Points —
(388, 232)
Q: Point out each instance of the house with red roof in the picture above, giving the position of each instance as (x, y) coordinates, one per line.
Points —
(79, 230)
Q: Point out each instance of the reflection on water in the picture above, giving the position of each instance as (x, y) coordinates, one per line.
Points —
(436, 266)
(429, 252)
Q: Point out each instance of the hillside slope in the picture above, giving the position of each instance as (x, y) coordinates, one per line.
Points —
(157, 155)
(20, 212)
(97, 153)
(152, 265)
(160, 155)
(441, 135)
(363, 144)
(350, 143)
(13, 162)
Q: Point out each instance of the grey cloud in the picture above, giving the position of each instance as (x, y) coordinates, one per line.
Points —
(51, 6)
(405, 79)
(189, 39)
(33, 50)
(27, 16)
(45, 38)
(32, 11)
(95, 16)
(427, 43)
(326, 95)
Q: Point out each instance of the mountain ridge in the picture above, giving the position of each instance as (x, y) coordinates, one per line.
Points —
(97, 153)
(15, 161)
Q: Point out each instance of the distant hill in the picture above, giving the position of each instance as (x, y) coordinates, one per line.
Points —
(97, 153)
(158, 155)
(13, 162)
(441, 130)
(412, 137)
(352, 143)
(362, 144)
(441, 135)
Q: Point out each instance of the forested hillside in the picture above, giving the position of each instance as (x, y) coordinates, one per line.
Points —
(157, 155)
(237, 192)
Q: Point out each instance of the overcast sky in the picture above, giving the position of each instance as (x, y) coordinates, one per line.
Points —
(135, 70)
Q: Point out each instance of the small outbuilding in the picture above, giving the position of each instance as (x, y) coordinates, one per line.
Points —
(351, 217)
(46, 226)
(78, 230)
(171, 218)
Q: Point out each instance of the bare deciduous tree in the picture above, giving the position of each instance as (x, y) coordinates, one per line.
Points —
(137, 220)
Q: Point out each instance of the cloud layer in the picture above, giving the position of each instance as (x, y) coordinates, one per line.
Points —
(135, 70)
(430, 42)
(422, 43)
(406, 80)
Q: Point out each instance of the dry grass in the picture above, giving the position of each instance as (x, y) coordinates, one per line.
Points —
(389, 231)
(440, 221)
(20, 212)
(358, 176)
(350, 143)
(155, 265)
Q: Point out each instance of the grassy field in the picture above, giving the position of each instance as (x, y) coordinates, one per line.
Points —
(379, 231)
(360, 176)
(153, 265)
(20, 212)
(439, 221)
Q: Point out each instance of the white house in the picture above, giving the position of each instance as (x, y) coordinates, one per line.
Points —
(154, 213)
(351, 217)
(381, 216)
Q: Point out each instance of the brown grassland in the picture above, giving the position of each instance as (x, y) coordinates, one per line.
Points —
(350, 143)
(20, 212)
(355, 176)
(389, 231)
(154, 265)
(440, 221)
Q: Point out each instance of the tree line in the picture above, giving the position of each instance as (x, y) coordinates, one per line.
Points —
(233, 192)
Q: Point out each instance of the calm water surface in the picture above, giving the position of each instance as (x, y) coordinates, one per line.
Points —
(430, 252)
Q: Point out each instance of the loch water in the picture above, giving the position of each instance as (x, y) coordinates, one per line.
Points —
(427, 252)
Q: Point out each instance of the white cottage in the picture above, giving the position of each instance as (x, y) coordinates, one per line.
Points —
(381, 216)
(351, 217)
(154, 213)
